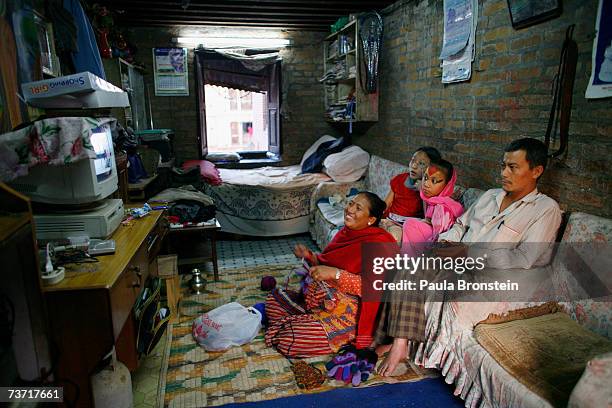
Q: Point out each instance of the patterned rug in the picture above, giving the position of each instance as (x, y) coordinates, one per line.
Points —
(193, 377)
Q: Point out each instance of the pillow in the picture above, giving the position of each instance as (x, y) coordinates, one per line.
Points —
(208, 170)
(315, 146)
(314, 162)
(223, 157)
(591, 390)
(347, 166)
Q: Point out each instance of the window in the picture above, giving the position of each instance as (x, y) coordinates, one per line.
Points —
(233, 98)
(238, 108)
(234, 133)
(246, 101)
(243, 127)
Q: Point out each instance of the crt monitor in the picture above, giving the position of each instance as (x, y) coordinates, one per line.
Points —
(82, 182)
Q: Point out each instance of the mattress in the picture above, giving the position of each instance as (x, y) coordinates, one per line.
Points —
(268, 201)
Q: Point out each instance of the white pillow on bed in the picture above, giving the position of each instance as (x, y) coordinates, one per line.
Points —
(348, 165)
(315, 146)
(223, 157)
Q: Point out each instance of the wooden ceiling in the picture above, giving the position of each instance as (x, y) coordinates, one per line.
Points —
(310, 15)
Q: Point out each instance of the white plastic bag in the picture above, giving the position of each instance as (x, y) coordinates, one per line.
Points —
(229, 325)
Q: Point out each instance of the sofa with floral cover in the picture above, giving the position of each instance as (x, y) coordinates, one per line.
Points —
(452, 347)
(328, 199)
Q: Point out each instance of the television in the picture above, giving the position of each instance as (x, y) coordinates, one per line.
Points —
(82, 182)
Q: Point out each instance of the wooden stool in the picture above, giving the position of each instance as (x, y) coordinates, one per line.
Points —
(167, 267)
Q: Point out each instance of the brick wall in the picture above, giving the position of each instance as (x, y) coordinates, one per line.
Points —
(302, 110)
(508, 97)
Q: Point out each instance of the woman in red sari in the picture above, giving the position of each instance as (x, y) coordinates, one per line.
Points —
(332, 313)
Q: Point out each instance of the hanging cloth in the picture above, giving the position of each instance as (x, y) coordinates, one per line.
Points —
(563, 87)
(370, 33)
(87, 58)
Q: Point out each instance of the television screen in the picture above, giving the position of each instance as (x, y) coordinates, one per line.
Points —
(102, 143)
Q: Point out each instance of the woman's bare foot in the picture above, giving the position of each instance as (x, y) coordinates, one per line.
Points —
(398, 352)
(382, 349)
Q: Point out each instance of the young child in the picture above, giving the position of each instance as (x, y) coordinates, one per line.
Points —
(440, 209)
(403, 200)
(440, 213)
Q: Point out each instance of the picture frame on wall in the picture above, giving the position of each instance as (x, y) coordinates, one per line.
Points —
(524, 13)
(170, 71)
(49, 63)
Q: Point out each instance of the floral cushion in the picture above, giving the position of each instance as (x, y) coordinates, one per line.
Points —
(595, 233)
(379, 175)
(591, 390)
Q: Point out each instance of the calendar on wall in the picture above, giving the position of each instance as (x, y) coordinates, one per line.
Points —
(171, 73)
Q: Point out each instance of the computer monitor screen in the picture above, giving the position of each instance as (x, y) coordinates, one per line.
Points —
(81, 182)
(103, 146)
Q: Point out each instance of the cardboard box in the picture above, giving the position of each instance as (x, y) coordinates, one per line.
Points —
(83, 90)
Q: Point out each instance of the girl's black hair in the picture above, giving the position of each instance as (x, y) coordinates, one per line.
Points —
(377, 206)
(431, 152)
(445, 166)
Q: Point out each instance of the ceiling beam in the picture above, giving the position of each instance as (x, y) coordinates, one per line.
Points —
(248, 18)
(288, 26)
(138, 4)
(244, 14)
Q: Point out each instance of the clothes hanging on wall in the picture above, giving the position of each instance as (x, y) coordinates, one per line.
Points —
(87, 58)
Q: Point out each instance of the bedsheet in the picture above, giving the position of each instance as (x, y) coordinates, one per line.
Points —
(268, 201)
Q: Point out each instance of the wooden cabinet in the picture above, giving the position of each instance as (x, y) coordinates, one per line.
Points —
(129, 78)
(24, 349)
(91, 309)
(344, 77)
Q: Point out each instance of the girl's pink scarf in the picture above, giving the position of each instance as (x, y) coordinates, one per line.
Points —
(442, 209)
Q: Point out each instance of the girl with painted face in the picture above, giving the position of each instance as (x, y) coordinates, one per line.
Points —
(403, 200)
(440, 209)
(440, 213)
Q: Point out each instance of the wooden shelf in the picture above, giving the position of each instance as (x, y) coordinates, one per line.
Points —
(366, 108)
(333, 36)
(9, 223)
(340, 56)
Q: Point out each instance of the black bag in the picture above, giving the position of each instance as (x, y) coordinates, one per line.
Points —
(152, 319)
(314, 162)
(192, 211)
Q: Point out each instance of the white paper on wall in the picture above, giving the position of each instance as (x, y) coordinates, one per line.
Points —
(600, 84)
(458, 67)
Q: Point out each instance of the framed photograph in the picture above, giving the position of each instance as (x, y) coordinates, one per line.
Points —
(524, 13)
(49, 62)
(170, 71)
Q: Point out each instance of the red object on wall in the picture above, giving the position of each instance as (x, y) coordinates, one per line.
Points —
(103, 44)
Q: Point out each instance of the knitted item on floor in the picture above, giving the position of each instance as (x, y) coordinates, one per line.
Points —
(352, 365)
(306, 375)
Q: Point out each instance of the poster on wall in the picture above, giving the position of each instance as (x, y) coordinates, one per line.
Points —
(170, 70)
(457, 26)
(600, 84)
(458, 67)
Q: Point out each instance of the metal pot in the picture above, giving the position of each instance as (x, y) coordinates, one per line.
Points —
(197, 283)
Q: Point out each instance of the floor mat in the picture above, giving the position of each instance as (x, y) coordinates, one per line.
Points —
(427, 393)
(194, 377)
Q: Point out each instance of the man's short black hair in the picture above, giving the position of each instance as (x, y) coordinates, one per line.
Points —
(431, 152)
(536, 152)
